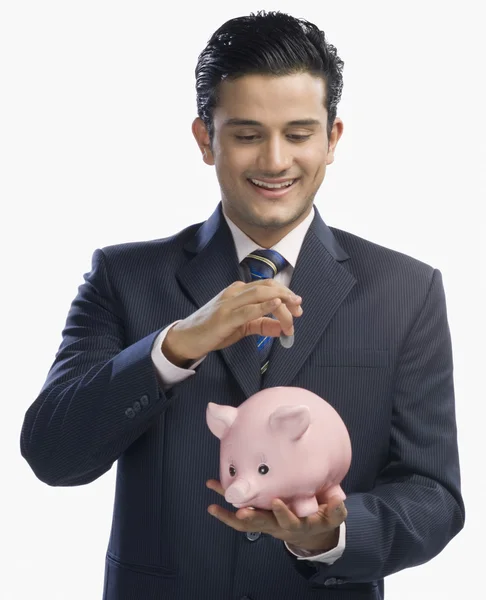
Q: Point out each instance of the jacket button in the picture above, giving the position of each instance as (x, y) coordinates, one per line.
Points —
(136, 407)
(253, 535)
(130, 413)
(144, 400)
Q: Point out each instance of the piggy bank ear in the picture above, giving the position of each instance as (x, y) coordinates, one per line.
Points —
(290, 421)
(220, 418)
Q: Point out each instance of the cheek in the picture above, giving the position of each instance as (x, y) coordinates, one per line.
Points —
(232, 164)
(313, 160)
(225, 479)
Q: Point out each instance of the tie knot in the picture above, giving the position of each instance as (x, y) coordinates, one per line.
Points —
(264, 264)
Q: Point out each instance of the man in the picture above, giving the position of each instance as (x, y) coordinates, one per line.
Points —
(161, 328)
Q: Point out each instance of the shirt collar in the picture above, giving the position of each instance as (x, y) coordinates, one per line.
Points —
(289, 246)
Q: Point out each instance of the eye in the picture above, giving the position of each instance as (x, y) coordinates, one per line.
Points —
(263, 469)
(232, 471)
(299, 138)
(245, 138)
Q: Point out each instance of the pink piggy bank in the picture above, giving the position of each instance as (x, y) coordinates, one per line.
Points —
(282, 442)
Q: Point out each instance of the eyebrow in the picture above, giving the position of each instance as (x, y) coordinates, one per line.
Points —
(250, 123)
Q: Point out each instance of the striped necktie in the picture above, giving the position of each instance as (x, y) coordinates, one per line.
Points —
(264, 264)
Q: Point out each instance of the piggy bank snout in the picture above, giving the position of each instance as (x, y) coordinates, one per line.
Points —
(238, 491)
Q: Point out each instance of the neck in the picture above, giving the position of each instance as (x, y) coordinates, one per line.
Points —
(266, 237)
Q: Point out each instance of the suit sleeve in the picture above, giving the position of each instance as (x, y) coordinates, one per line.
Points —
(416, 506)
(99, 396)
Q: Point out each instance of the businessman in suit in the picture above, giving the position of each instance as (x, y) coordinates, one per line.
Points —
(160, 328)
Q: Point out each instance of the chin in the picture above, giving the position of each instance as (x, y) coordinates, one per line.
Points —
(276, 218)
(265, 213)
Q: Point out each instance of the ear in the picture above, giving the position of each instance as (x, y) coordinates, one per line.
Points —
(290, 421)
(336, 133)
(200, 133)
(220, 418)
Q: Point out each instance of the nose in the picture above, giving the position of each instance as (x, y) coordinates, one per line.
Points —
(238, 491)
(275, 157)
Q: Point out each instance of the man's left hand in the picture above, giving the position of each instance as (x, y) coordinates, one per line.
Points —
(318, 532)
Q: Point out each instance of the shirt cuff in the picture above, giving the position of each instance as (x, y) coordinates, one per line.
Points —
(328, 557)
(168, 373)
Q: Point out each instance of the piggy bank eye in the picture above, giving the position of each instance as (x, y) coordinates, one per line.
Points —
(263, 469)
(232, 471)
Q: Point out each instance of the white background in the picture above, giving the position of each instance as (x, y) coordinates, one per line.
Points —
(96, 104)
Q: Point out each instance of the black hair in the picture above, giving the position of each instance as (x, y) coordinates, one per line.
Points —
(267, 43)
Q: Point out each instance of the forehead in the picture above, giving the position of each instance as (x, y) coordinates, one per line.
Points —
(272, 99)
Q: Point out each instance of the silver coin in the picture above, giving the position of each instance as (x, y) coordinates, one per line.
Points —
(287, 341)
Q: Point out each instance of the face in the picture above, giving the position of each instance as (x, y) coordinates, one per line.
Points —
(270, 150)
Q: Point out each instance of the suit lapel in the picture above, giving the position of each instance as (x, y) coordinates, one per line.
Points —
(323, 284)
(318, 277)
(213, 268)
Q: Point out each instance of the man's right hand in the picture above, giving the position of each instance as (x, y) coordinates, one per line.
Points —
(237, 311)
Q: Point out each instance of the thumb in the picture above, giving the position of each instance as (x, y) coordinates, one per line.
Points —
(263, 326)
(335, 509)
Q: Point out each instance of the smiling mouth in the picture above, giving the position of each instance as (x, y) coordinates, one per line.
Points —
(273, 186)
(275, 189)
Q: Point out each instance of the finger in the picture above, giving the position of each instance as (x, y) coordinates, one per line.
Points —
(244, 519)
(264, 326)
(283, 320)
(261, 291)
(283, 314)
(289, 307)
(329, 515)
(335, 510)
(295, 309)
(337, 514)
(226, 517)
(257, 520)
(334, 503)
(216, 486)
(257, 301)
(253, 515)
(285, 518)
(254, 318)
(231, 289)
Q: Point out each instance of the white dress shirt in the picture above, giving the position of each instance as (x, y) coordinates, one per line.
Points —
(169, 374)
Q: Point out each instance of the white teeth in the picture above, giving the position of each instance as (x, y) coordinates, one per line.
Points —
(272, 186)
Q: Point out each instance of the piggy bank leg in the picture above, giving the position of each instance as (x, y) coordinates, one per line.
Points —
(304, 507)
(335, 490)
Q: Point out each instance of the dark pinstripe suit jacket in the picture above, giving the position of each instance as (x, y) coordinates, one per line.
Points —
(373, 341)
